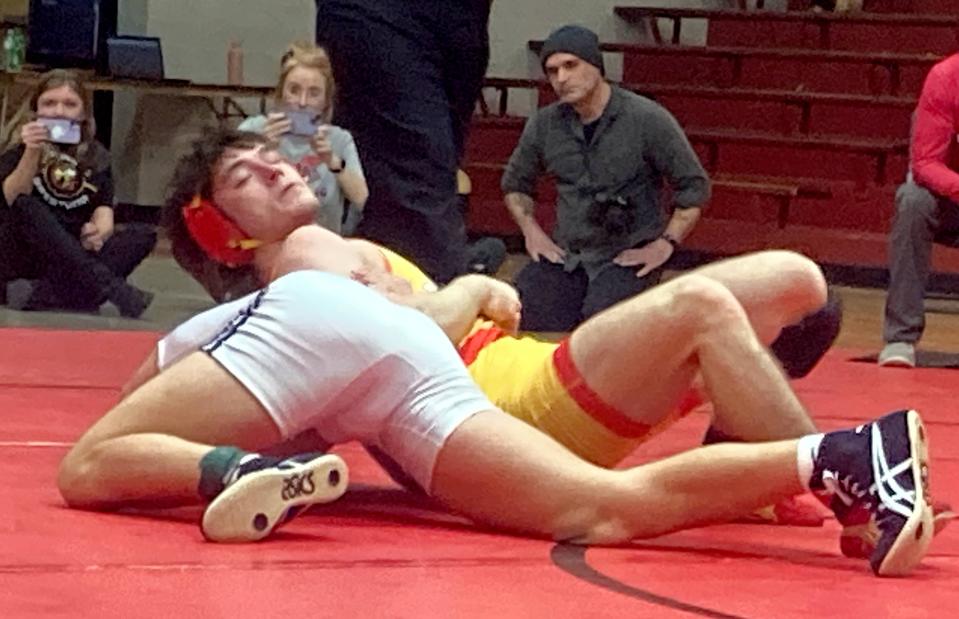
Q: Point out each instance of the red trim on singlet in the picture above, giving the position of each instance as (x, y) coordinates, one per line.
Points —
(590, 401)
(475, 342)
(690, 401)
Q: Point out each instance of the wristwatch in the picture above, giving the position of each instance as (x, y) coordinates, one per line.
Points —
(337, 170)
(670, 239)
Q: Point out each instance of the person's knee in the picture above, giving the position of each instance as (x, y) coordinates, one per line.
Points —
(552, 299)
(615, 286)
(915, 206)
(145, 237)
(704, 304)
(78, 478)
(806, 282)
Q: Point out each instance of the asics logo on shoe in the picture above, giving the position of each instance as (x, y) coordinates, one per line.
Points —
(297, 485)
(892, 494)
(885, 493)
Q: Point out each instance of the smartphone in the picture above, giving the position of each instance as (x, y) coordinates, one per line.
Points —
(62, 130)
(302, 122)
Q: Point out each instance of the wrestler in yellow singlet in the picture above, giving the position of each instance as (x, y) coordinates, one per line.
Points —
(536, 381)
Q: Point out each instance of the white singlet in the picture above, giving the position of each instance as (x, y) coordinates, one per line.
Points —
(319, 351)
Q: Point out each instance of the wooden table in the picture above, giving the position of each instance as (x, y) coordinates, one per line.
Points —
(220, 97)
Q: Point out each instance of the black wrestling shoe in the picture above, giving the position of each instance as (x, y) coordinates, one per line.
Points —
(265, 492)
(878, 473)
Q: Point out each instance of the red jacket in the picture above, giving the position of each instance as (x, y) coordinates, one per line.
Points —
(934, 153)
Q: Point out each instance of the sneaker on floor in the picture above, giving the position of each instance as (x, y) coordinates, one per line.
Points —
(881, 469)
(860, 533)
(265, 493)
(898, 355)
(792, 512)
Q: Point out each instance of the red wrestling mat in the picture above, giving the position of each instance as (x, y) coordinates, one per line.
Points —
(380, 552)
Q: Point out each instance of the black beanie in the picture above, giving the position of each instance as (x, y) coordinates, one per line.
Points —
(576, 40)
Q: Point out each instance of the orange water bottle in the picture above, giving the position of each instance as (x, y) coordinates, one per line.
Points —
(234, 63)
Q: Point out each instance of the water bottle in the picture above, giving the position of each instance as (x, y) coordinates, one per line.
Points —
(13, 49)
(234, 64)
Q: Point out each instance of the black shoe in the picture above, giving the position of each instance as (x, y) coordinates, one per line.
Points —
(800, 346)
(486, 255)
(130, 300)
(879, 472)
(265, 492)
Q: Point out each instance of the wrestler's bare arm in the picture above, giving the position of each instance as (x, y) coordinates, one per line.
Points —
(456, 306)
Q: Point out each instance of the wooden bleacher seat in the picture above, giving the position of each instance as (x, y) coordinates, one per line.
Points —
(823, 21)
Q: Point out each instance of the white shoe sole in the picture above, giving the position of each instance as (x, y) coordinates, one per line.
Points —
(897, 362)
(250, 508)
(914, 538)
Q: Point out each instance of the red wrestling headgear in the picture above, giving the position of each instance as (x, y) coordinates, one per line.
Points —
(217, 235)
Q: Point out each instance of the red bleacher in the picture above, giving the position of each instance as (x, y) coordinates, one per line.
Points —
(801, 118)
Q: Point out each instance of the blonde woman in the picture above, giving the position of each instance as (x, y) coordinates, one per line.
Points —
(322, 153)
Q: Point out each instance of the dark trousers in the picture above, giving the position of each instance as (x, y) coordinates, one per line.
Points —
(34, 244)
(408, 75)
(554, 300)
(922, 218)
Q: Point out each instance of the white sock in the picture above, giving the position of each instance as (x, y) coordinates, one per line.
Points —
(806, 453)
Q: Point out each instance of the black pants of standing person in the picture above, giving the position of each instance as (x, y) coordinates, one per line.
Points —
(409, 73)
(556, 300)
(34, 244)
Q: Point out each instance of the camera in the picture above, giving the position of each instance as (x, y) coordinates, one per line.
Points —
(612, 213)
(62, 130)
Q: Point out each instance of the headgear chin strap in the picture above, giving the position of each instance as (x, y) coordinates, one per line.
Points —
(217, 235)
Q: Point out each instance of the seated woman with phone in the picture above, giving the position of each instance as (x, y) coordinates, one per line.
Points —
(324, 154)
(56, 210)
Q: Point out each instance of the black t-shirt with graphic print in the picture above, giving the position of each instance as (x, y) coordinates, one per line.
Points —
(72, 190)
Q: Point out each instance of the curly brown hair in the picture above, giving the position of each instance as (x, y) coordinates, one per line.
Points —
(193, 176)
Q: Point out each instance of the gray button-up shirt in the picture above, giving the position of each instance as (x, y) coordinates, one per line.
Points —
(637, 150)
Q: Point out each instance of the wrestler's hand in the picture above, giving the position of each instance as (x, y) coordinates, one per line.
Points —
(500, 304)
(652, 255)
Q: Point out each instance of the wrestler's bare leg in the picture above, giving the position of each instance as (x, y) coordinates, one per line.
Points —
(502, 472)
(146, 450)
(776, 288)
(642, 355)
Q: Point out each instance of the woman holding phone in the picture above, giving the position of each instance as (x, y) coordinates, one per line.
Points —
(299, 125)
(56, 210)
